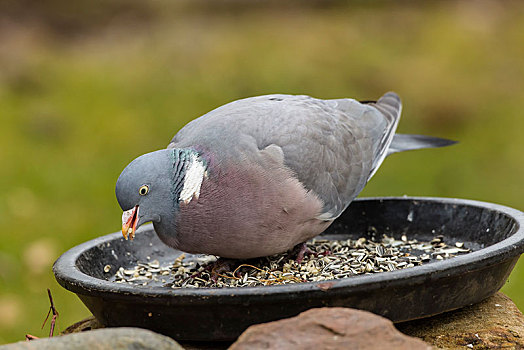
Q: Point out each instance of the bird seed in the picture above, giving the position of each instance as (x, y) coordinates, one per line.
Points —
(326, 260)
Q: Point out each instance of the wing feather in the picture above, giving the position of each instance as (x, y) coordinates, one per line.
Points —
(332, 146)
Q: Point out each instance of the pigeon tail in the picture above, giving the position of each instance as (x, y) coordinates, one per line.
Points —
(407, 142)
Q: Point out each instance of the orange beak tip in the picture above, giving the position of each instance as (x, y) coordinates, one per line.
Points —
(129, 222)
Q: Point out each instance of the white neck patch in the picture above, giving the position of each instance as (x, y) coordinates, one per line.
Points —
(193, 179)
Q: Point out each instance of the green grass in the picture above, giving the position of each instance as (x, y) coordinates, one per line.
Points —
(76, 110)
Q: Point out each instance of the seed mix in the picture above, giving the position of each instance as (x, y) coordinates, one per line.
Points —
(326, 260)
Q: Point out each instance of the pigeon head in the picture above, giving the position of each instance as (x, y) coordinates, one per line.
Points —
(151, 187)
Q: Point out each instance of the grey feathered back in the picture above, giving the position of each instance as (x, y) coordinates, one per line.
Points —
(332, 146)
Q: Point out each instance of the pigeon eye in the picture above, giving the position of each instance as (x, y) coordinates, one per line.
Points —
(143, 190)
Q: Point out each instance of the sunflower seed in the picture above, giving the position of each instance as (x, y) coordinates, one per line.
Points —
(331, 260)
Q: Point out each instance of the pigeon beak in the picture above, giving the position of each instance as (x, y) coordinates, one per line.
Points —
(129, 221)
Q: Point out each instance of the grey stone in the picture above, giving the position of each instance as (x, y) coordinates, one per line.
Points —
(101, 339)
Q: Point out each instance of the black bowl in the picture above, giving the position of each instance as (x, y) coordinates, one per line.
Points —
(494, 233)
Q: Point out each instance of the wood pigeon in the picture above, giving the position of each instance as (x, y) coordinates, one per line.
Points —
(260, 175)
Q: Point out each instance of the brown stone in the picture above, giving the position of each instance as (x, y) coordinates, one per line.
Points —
(495, 323)
(328, 328)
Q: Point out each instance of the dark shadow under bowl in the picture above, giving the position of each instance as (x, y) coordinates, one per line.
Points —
(493, 232)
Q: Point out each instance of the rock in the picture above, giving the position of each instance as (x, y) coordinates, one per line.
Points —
(86, 324)
(495, 323)
(100, 339)
(328, 328)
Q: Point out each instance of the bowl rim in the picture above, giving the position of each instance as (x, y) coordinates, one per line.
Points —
(71, 278)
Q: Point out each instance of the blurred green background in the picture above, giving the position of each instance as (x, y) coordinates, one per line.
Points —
(87, 86)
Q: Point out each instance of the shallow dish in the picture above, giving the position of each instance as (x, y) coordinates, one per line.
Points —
(494, 233)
